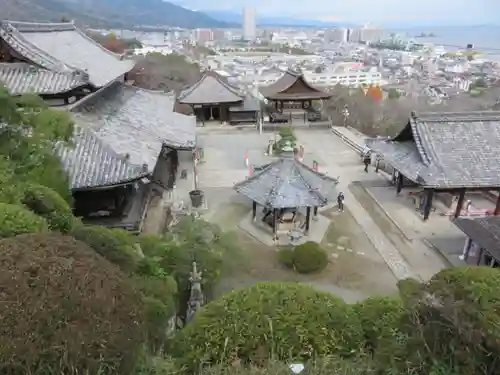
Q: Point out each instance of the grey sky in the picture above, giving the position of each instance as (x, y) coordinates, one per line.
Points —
(448, 12)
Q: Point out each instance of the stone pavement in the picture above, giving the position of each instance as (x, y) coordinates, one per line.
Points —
(336, 159)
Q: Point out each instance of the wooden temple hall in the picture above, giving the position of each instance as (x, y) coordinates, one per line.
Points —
(289, 194)
(446, 155)
(482, 245)
(212, 98)
(291, 99)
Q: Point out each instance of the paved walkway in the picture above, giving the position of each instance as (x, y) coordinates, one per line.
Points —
(337, 159)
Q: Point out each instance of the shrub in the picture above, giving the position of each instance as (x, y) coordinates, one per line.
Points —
(116, 245)
(380, 319)
(269, 319)
(16, 220)
(69, 310)
(459, 317)
(50, 205)
(305, 258)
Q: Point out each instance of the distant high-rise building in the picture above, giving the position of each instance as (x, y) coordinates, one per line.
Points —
(337, 35)
(249, 24)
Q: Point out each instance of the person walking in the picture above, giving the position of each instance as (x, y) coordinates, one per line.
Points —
(340, 201)
(367, 159)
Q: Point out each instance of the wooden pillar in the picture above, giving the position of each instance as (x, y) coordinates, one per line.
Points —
(254, 210)
(308, 219)
(497, 207)
(377, 164)
(316, 211)
(480, 256)
(460, 203)
(275, 223)
(399, 185)
(429, 194)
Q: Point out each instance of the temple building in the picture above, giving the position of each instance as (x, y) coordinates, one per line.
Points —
(291, 98)
(128, 143)
(64, 50)
(446, 154)
(214, 99)
(289, 192)
(482, 246)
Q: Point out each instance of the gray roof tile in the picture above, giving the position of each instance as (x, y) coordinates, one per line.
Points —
(452, 150)
(91, 163)
(288, 183)
(63, 47)
(136, 122)
(21, 78)
(292, 86)
(211, 88)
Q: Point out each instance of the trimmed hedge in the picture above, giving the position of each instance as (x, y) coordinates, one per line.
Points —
(15, 220)
(50, 205)
(269, 320)
(308, 257)
(116, 245)
(69, 311)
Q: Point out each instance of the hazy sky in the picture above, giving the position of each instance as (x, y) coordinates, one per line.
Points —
(449, 12)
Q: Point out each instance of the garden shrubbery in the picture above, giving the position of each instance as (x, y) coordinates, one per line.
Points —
(269, 320)
(68, 311)
(308, 257)
(15, 220)
(51, 206)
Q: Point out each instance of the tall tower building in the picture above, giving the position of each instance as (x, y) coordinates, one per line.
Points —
(249, 24)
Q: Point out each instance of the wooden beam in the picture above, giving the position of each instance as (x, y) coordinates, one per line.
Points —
(308, 219)
(460, 203)
(497, 206)
(429, 193)
(399, 185)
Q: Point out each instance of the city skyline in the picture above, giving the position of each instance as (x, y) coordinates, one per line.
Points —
(382, 12)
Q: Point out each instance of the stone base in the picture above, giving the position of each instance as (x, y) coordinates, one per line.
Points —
(263, 233)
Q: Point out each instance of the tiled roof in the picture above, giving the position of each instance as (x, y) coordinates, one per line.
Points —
(448, 150)
(292, 86)
(485, 231)
(210, 88)
(61, 46)
(21, 78)
(136, 122)
(288, 183)
(91, 163)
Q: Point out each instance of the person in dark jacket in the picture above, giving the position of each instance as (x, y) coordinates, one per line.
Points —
(367, 159)
(340, 201)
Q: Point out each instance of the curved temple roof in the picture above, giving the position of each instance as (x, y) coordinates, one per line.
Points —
(292, 86)
(446, 150)
(211, 88)
(288, 183)
(62, 47)
(22, 78)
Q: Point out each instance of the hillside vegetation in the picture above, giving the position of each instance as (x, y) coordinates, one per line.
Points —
(107, 13)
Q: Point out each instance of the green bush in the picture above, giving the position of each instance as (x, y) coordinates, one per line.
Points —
(69, 311)
(308, 257)
(269, 320)
(116, 245)
(50, 205)
(380, 318)
(16, 220)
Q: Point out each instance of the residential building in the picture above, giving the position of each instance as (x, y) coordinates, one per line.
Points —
(337, 35)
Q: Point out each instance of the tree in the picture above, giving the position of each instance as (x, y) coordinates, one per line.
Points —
(318, 70)
(170, 72)
(393, 94)
(69, 310)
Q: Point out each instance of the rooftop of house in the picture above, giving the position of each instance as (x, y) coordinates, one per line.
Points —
(485, 231)
(62, 47)
(446, 150)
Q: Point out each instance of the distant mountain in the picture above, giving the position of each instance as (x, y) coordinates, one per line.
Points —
(108, 13)
(236, 18)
